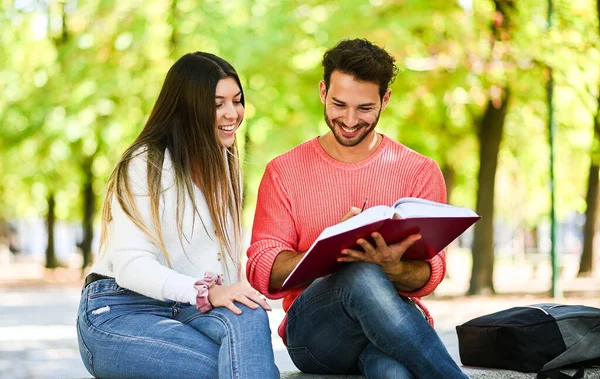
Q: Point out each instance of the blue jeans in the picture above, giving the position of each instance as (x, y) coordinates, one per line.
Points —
(354, 321)
(123, 334)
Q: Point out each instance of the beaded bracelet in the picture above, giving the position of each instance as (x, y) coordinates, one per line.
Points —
(202, 286)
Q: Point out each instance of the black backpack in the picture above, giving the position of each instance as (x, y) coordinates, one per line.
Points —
(542, 338)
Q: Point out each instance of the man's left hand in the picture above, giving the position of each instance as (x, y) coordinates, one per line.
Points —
(389, 257)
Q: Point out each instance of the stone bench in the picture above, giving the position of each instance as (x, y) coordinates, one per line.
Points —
(300, 375)
(472, 372)
(488, 373)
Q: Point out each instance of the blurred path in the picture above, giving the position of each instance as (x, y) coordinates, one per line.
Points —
(37, 333)
(38, 337)
(38, 310)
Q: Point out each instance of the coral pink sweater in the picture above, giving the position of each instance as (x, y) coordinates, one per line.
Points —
(305, 190)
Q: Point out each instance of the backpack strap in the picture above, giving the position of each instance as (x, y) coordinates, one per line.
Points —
(555, 373)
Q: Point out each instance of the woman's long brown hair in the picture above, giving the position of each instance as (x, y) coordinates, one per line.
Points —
(183, 121)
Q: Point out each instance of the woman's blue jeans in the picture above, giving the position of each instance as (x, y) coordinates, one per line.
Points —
(123, 334)
(354, 321)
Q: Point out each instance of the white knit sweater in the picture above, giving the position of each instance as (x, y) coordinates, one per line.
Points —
(137, 263)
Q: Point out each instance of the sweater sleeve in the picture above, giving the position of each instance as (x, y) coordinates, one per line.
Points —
(136, 262)
(179, 287)
(430, 185)
(273, 231)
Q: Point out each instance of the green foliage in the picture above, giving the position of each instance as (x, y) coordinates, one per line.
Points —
(63, 101)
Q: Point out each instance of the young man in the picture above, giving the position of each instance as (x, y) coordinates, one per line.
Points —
(368, 315)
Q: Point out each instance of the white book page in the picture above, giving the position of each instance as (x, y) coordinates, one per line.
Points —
(412, 207)
(368, 216)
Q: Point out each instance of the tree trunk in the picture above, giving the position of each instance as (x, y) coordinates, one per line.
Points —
(59, 42)
(586, 266)
(246, 162)
(490, 137)
(51, 261)
(173, 19)
(89, 211)
(4, 235)
(450, 178)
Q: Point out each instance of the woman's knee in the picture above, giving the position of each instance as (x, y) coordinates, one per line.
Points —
(249, 319)
(256, 316)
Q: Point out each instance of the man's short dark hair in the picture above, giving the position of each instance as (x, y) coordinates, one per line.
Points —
(361, 59)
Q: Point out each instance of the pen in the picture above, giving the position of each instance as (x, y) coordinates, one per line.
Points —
(363, 207)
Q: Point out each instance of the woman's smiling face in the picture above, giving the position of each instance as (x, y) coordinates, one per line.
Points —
(230, 110)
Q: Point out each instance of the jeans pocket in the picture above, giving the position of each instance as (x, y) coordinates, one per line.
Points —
(105, 287)
(306, 362)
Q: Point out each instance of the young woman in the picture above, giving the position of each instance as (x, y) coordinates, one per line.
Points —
(165, 299)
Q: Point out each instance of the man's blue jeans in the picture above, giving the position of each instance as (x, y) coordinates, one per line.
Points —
(123, 334)
(354, 321)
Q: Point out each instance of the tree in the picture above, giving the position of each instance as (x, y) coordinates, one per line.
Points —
(448, 98)
(490, 136)
(51, 261)
(89, 211)
(586, 266)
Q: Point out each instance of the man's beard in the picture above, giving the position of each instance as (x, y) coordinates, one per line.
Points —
(356, 140)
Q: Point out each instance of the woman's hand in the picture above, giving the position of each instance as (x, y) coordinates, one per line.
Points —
(243, 293)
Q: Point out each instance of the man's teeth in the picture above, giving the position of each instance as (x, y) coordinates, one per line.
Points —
(227, 128)
(349, 130)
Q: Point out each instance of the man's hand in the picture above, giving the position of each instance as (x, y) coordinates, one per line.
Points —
(351, 213)
(387, 256)
(286, 261)
(406, 275)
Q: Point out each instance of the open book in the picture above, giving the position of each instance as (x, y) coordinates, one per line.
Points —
(439, 224)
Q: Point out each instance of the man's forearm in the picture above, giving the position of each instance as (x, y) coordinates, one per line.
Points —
(283, 265)
(414, 275)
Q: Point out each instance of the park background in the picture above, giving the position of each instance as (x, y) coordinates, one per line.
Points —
(503, 94)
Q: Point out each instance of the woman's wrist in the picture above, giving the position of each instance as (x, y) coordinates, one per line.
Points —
(202, 287)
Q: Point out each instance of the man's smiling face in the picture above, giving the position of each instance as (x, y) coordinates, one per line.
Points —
(352, 107)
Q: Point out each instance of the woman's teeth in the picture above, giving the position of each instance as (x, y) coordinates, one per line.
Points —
(227, 128)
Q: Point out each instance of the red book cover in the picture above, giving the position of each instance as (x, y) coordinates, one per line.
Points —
(436, 232)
